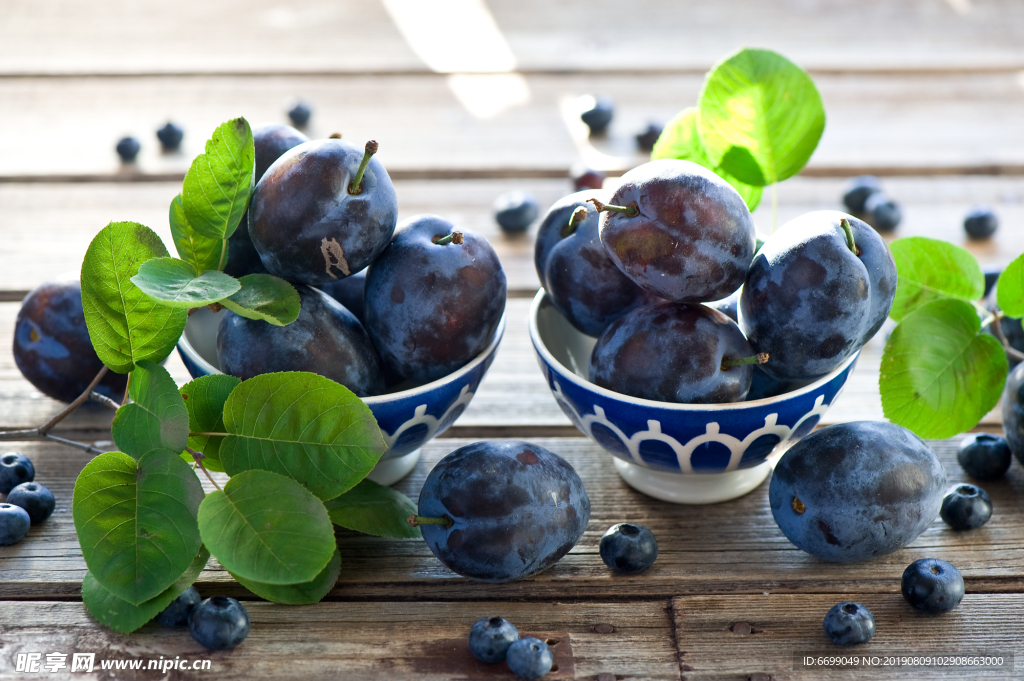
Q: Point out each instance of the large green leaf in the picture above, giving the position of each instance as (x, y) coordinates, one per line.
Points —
(374, 509)
(216, 190)
(930, 269)
(204, 399)
(760, 117)
(200, 251)
(1010, 289)
(156, 419)
(176, 283)
(304, 426)
(136, 522)
(265, 297)
(125, 324)
(298, 594)
(679, 140)
(940, 374)
(267, 528)
(120, 615)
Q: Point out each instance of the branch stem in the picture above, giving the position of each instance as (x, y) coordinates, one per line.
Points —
(997, 331)
(198, 456)
(48, 426)
(104, 400)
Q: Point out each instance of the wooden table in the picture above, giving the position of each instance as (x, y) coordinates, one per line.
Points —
(927, 94)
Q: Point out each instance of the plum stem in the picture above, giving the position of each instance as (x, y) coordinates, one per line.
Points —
(453, 238)
(417, 520)
(577, 217)
(355, 187)
(630, 211)
(759, 358)
(848, 230)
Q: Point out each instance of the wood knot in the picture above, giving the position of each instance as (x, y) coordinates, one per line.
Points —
(741, 628)
(604, 628)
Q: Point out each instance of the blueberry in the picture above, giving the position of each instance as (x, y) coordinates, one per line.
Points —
(882, 212)
(219, 623)
(490, 638)
(128, 148)
(849, 623)
(585, 177)
(932, 585)
(597, 112)
(34, 498)
(176, 614)
(300, 114)
(170, 136)
(515, 211)
(646, 138)
(991, 273)
(858, 190)
(14, 524)
(15, 469)
(984, 456)
(966, 507)
(530, 658)
(628, 548)
(981, 222)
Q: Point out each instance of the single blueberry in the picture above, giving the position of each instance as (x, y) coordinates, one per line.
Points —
(932, 585)
(984, 456)
(128, 148)
(490, 638)
(858, 190)
(596, 112)
(515, 211)
(981, 222)
(219, 623)
(585, 177)
(299, 114)
(849, 623)
(14, 524)
(15, 469)
(646, 138)
(34, 498)
(530, 658)
(176, 614)
(882, 212)
(628, 548)
(170, 136)
(991, 273)
(966, 507)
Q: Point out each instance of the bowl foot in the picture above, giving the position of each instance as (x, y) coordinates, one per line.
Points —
(389, 471)
(692, 489)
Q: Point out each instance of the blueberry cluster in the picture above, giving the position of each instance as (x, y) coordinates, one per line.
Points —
(494, 639)
(28, 502)
(217, 623)
(865, 198)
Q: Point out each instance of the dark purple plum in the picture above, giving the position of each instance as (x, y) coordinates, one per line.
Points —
(314, 219)
(671, 352)
(350, 292)
(856, 491)
(1013, 411)
(585, 177)
(810, 301)
(434, 298)
(679, 231)
(498, 511)
(729, 306)
(763, 385)
(52, 347)
(325, 339)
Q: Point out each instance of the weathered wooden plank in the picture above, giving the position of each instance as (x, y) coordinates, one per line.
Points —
(739, 637)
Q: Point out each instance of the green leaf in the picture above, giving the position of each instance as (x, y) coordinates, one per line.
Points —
(1010, 289)
(304, 426)
(374, 509)
(120, 615)
(200, 251)
(298, 594)
(266, 297)
(940, 374)
(760, 117)
(136, 522)
(176, 283)
(267, 528)
(204, 399)
(125, 324)
(680, 140)
(216, 190)
(930, 269)
(156, 419)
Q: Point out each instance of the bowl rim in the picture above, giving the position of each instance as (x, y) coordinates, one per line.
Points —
(499, 331)
(565, 373)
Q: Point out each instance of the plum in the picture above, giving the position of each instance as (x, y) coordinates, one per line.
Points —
(434, 298)
(679, 231)
(52, 347)
(495, 511)
(729, 306)
(763, 385)
(671, 352)
(1013, 411)
(325, 339)
(811, 300)
(322, 211)
(855, 491)
(350, 292)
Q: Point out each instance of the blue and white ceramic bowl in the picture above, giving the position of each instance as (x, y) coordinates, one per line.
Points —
(685, 453)
(408, 418)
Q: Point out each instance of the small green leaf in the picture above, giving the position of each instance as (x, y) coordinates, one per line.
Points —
(200, 251)
(120, 615)
(267, 528)
(298, 594)
(125, 324)
(216, 190)
(265, 297)
(374, 509)
(1010, 289)
(930, 269)
(176, 283)
(304, 426)
(760, 117)
(136, 522)
(940, 374)
(156, 419)
(204, 399)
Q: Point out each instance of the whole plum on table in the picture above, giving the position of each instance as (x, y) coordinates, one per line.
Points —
(434, 298)
(325, 339)
(812, 299)
(498, 511)
(52, 347)
(679, 231)
(322, 211)
(856, 491)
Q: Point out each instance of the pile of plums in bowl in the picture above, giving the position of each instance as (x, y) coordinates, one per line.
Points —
(407, 316)
(669, 338)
